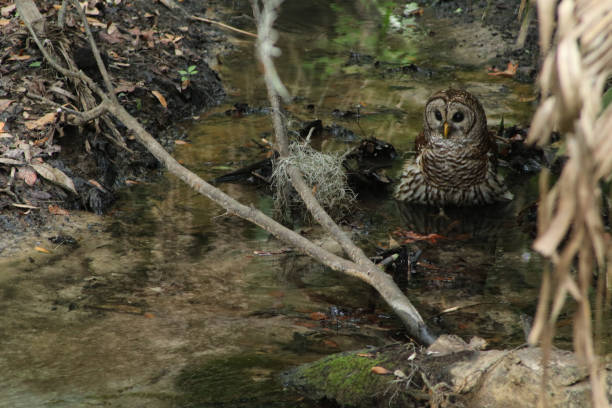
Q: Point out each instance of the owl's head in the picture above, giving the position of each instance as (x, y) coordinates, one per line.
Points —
(454, 114)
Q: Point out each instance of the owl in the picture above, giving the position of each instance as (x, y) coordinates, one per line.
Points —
(456, 156)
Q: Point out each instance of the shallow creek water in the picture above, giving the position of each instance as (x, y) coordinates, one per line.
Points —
(164, 304)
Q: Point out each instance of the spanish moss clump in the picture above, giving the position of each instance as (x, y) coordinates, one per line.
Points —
(323, 172)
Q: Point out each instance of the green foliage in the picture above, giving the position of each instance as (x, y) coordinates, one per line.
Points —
(35, 64)
(188, 73)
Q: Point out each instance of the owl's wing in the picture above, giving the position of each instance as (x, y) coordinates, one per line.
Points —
(420, 142)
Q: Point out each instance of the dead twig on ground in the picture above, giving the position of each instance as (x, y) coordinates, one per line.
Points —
(223, 25)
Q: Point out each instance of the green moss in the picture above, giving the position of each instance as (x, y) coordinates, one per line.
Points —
(346, 378)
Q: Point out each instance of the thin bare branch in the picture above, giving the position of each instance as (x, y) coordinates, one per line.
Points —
(373, 274)
(223, 25)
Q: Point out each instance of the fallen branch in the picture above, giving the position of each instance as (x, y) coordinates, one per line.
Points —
(371, 273)
(220, 24)
(361, 267)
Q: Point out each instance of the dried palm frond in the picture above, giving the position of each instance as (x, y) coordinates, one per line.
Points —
(570, 225)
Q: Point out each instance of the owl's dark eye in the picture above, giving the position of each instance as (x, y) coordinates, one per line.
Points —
(457, 117)
(438, 115)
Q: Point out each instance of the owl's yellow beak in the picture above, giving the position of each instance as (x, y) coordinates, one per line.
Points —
(445, 129)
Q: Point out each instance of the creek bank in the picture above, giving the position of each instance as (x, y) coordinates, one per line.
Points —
(146, 47)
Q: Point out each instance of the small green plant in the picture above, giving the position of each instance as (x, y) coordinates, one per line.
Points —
(35, 64)
(186, 74)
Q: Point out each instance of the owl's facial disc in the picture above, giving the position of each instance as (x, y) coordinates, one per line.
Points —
(460, 120)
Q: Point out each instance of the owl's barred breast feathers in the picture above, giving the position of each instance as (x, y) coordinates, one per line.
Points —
(456, 162)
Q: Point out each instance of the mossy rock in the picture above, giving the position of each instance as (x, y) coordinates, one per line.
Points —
(347, 378)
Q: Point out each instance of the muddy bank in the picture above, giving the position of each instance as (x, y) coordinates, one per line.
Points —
(159, 63)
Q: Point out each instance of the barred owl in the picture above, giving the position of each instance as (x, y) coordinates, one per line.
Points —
(456, 156)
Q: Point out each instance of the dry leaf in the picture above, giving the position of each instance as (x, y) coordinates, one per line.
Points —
(8, 10)
(181, 142)
(330, 343)
(380, 370)
(96, 23)
(10, 162)
(148, 315)
(365, 355)
(317, 316)
(416, 12)
(43, 250)
(508, 73)
(17, 57)
(41, 122)
(160, 98)
(57, 210)
(27, 175)
(54, 175)
(185, 84)
(125, 87)
(97, 185)
(4, 21)
(4, 103)
(112, 29)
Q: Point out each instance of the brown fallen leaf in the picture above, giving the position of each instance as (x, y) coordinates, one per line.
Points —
(416, 12)
(41, 122)
(148, 315)
(43, 250)
(508, 73)
(19, 57)
(330, 343)
(57, 210)
(97, 185)
(54, 175)
(27, 175)
(125, 87)
(181, 142)
(308, 325)
(408, 237)
(367, 355)
(380, 370)
(160, 98)
(317, 316)
(95, 22)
